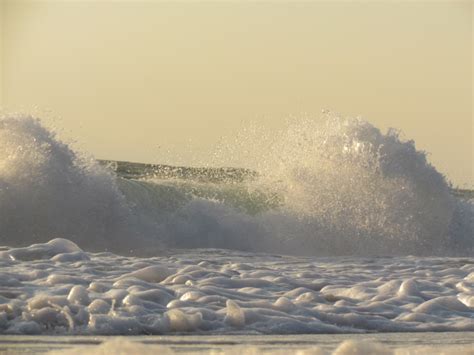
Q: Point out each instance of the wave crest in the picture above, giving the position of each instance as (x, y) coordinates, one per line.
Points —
(48, 191)
(331, 187)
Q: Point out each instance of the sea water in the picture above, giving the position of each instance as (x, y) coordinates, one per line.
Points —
(333, 227)
(303, 344)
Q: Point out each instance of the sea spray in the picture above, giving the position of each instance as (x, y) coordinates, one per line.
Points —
(318, 187)
(332, 186)
(354, 189)
(48, 191)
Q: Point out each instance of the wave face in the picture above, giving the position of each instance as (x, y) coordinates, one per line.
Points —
(337, 187)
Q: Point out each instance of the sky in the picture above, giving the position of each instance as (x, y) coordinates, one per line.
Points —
(131, 80)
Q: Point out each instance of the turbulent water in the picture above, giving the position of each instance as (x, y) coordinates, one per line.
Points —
(328, 226)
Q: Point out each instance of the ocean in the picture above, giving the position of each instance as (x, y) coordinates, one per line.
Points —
(326, 232)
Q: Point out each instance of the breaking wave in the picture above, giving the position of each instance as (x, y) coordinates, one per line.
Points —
(319, 187)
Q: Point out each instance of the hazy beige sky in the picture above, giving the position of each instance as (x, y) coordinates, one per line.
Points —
(130, 79)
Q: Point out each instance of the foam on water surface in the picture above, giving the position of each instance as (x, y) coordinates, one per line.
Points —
(210, 291)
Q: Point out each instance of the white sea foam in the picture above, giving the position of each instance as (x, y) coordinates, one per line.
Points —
(220, 292)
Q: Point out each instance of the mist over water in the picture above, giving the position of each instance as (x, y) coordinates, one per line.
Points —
(323, 187)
